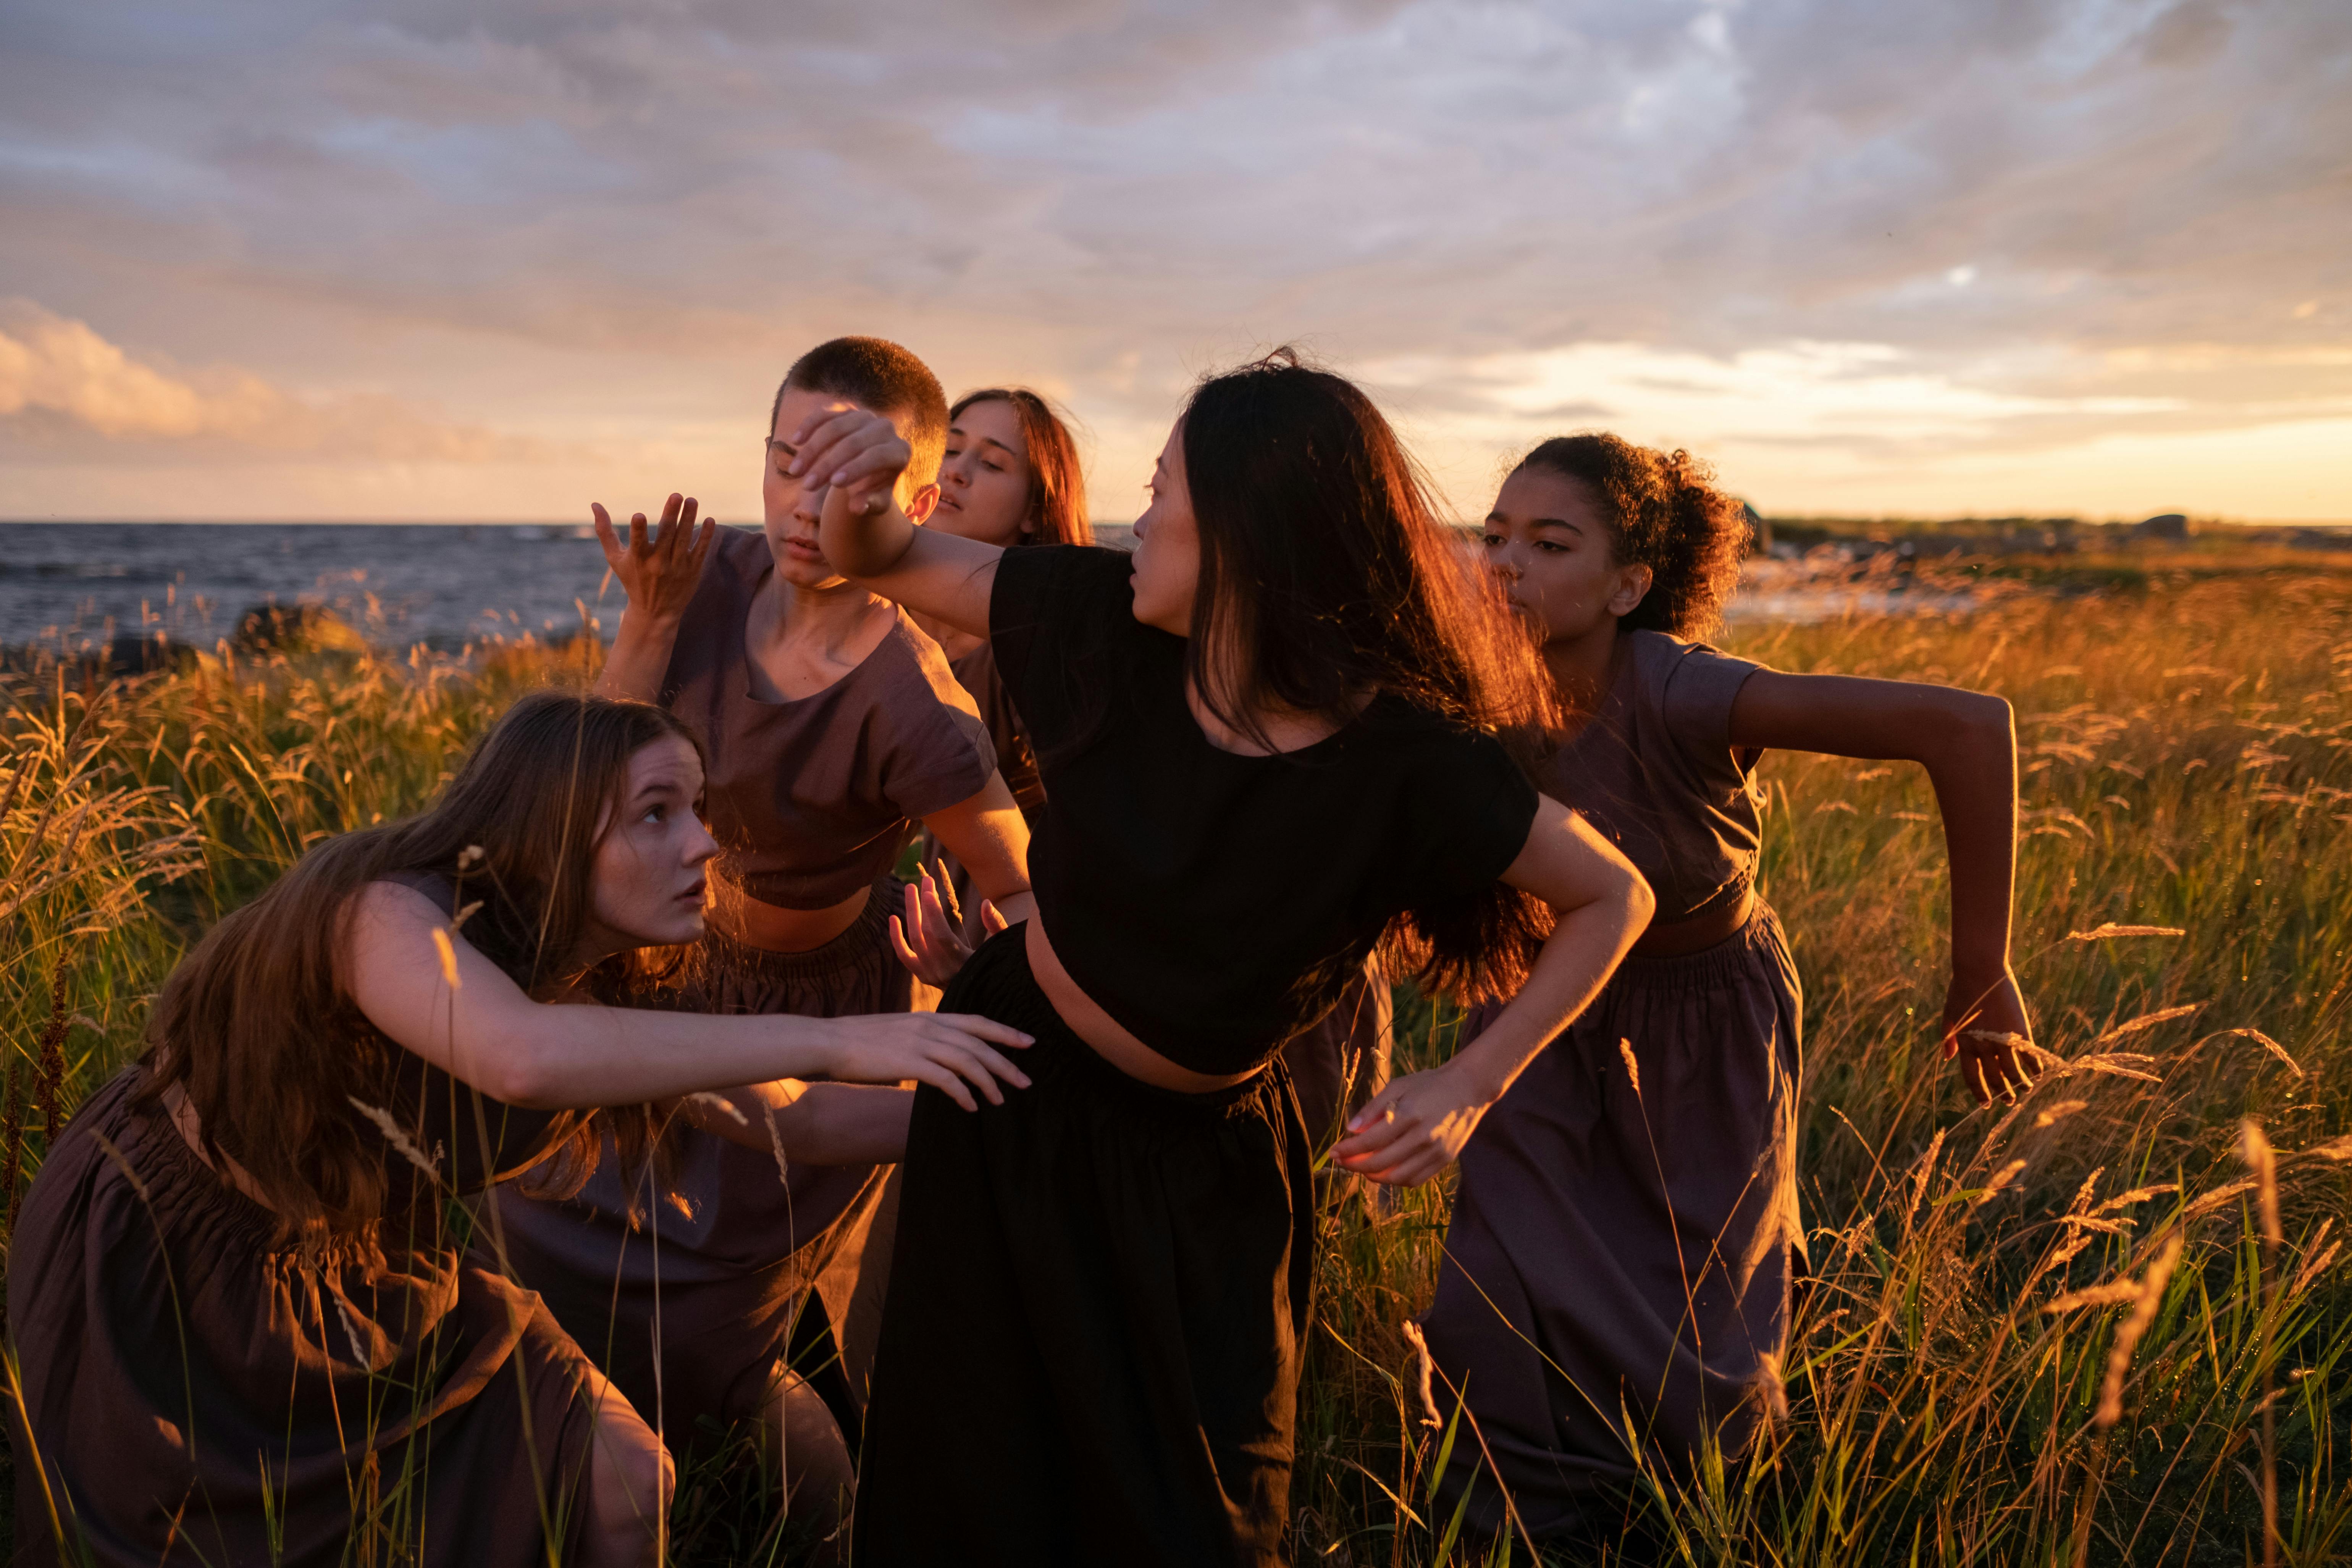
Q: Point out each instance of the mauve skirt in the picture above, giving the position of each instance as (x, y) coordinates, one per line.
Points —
(1090, 1349)
(691, 1307)
(1618, 1250)
(176, 1361)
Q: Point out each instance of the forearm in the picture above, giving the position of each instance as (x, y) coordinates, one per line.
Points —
(548, 1058)
(861, 547)
(1584, 949)
(639, 659)
(1973, 769)
(818, 1124)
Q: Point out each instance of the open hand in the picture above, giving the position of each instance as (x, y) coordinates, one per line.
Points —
(658, 574)
(1413, 1129)
(953, 1052)
(931, 942)
(1984, 1024)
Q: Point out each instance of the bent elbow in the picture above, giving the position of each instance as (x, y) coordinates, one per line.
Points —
(1641, 900)
(521, 1073)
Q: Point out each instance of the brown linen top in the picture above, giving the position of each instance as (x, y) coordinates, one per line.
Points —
(812, 799)
(976, 671)
(1656, 772)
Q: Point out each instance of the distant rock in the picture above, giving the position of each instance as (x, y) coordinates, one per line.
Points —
(2171, 525)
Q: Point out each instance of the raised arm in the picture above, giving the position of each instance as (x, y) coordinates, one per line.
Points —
(485, 1031)
(659, 576)
(856, 458)
(1966, 741)
(1417, 1125)
(988, 834)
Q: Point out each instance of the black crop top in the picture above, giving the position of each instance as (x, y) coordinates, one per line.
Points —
(1213, 904)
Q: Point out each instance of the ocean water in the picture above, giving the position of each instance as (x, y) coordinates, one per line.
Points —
(73, 587)
(79, 586)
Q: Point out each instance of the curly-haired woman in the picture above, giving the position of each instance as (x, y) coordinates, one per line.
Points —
(1616, 1280)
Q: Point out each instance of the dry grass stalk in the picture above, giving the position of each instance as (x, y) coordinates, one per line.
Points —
(384, 1123)
(2146, 1021)
(1424, 1369)
(721, 1104)
(2051, 1114)
(12, 1128)
(2146, 1299)
(2269, 1044)
(1633, 1069)
(2109, 931)
(448, 959)
(2106, 1295)
(2338, 1150)
(53, 1059)
(2254, 1148)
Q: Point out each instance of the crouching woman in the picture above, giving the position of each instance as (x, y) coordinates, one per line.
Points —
(245, 1330)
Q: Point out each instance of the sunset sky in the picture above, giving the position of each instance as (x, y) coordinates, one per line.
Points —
(497, 259)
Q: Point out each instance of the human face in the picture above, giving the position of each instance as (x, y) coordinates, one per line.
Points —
(649, 875)
(790, 505)
(1168, 545)
(985, 480)
(1548, 543)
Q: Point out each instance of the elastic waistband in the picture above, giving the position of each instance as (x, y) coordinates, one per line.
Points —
(853, 949)
(997, 983)
(1708, 964)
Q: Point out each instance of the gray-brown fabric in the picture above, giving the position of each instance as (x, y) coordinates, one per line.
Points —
(1654, 769)
(975, 671)
(1622, 1236)
(727, 1279)
(172, 1351)
(811, 799)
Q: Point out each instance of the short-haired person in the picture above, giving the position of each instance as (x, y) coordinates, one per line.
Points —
(1624, 1227)
(1249, 731)
(835, 731)
(242, 1332)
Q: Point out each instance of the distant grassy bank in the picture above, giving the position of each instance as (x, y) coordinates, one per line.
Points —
(2188, 747)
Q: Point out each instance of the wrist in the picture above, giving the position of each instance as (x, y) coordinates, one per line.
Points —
(1481, 1076)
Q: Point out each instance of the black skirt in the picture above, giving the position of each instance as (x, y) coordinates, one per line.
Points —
(1091, 1345)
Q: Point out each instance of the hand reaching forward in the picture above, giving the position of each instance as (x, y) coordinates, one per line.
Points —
(1413, 1129)
(1983, 1026)
(947, 1050)
(937, 948)
(658, 574)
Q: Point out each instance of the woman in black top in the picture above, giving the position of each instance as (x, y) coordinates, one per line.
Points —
(1267, 747)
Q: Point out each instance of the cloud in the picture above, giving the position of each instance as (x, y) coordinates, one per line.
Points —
(58, 376)
(1896, 238)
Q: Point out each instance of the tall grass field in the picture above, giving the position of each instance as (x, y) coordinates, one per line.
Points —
(2107, 1324)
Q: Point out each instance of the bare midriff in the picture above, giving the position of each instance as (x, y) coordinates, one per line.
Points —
(1681, 938)
(772, 928)
(1106, 1036)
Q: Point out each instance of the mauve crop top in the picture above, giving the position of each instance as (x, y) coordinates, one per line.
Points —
(1213, 904)
(812, 799)
(1655, 771)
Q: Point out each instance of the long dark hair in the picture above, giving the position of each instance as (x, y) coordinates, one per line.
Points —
(1326, 576)
(1662, 510)
(255, 1025)
(1058, 482)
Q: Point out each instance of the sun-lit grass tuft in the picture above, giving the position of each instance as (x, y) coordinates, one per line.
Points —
(2184, 937)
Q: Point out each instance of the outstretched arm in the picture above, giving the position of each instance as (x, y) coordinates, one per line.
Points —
(1965, 741)
(855, 458)
(1417, 1125)
(436, 994)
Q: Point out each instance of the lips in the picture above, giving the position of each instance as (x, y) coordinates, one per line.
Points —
(694, 895)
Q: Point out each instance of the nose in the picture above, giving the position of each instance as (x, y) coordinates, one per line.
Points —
(808, 506)
(700, 847)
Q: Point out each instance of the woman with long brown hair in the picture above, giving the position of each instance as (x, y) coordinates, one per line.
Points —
(1090, 1349)
(1614, 1291)
(245, 1324)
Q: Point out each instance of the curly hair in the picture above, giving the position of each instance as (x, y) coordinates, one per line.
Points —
(1662, 510)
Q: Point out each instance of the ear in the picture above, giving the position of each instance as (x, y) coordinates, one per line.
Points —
(919, 505)
(1633, 587)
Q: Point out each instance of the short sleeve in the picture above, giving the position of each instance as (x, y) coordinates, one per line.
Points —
(1472, 808)
(1694, 701)
(936, 752)
(1059, 615)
